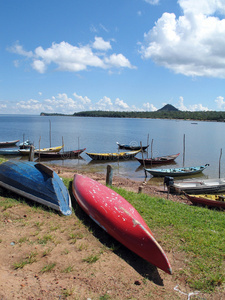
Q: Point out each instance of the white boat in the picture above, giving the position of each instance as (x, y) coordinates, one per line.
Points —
(206, 186)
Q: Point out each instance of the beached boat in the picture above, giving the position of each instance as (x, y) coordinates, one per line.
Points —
(113, 156)
(131, 147)
(206, 186)
(52, 149)
(9, 144)
(158, 160)
(36, 182)
(9, 152)
(61, 155)
(119, 219)
(208, 200)
(176, 171)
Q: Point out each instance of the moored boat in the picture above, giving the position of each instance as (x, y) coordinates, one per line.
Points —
(61, 155)
(36, 182)
(176, 171)
(206, 186)
(9, 152)
(158, 160)
(26, 144)
(119, 219)
(9, 143)
(113, 156)
(131, 147)
(51, 149)
(208, 200)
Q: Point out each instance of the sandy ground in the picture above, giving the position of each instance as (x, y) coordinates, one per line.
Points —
(48, 256)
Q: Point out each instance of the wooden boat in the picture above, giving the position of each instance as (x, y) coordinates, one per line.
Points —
(176, 171)
(113, 156)
(9, 152)
(158, 160)
(52, 149)
(206, 186)
(26, 144)
(61, 155)
(119, 219)
(9, 144)
(208, 200)
(36, 182)
(130, 147)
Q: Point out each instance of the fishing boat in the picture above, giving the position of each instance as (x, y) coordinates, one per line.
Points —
(158, 160)
(113, 156)
(119, 219)
(36, 182)
(26, 144)
(52, 149)
(9, 152)
(187, 171)
(206, 186)
(208, 200)
(61, 155)
(131, 147)
(9, 144)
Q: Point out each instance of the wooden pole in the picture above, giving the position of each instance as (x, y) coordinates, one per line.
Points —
(31, 153)
(143, 160)
(39, 148)
(63, 143)
(183, 150)
(109, 175)
(151, 151)
(50, 133)
(220, 160)
(147, 144)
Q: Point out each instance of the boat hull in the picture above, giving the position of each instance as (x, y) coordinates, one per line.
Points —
(158, 160)
(35, 182)
(113, 156)
(8, 144)
(176, 172)
(120, 219)
(61, 155)
(133, 148)
(45, 150)
(208, 200)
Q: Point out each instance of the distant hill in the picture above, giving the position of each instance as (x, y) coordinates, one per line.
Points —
(168, 107)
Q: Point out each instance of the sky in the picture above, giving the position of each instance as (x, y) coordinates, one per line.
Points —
(114, 55)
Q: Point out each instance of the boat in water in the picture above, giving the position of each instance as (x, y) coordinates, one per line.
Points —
(36, 182)
(113, 156)
(158, 160)
(9, 143)
(131, 147)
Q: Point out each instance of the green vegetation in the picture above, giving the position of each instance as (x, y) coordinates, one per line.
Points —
(218, 116)
(197, 231)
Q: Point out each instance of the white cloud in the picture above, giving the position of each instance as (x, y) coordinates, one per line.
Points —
(153, 2)
(100, 44)
(192, 44)
(220, 102)
(121, 105)
(149, 107)
(83, 100)
(74, 58)
(194, 107)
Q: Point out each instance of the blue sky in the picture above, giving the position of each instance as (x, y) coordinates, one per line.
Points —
(125, 55)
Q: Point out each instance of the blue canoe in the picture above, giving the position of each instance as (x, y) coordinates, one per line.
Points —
(36, 182)
(176, 171)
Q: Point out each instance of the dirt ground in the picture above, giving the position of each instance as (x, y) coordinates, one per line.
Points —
(47, 256)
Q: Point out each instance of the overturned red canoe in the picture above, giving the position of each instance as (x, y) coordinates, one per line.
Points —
(120, 219)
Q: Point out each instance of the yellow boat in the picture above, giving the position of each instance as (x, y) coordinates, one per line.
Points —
(51, 149)
(113, 156)
(208, 199)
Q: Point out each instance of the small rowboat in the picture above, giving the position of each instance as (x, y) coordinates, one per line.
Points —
(158, 160)
(208, 200)
(113, 156)
(26, 144)
(9, 152)
(206, 186)
(36, 182)
(130, 147)
(9, 144)
(177, 171)
(61, 155)
(119, 219)
(52, 149)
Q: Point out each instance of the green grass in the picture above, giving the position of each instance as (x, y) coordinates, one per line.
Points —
(197, 231)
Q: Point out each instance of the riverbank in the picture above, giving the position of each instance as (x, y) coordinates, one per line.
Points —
(48, 256)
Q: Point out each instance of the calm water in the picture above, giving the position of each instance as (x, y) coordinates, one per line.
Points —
(203, 140)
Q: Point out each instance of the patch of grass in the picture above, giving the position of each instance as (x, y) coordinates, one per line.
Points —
(91, 259)
(68, 269)
(31, 258)
(197, 231)
(48, 268)
(45, 239)
(47, 252)
(68, 292)
(104, 297)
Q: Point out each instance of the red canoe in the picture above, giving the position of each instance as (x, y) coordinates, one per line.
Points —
(120, 219)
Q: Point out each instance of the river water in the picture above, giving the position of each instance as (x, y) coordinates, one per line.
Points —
(204, 141)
